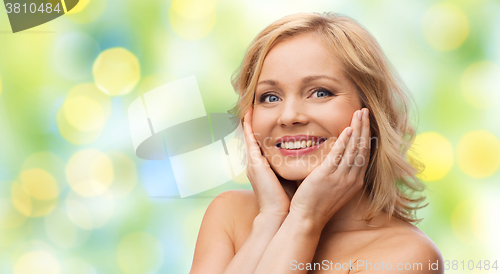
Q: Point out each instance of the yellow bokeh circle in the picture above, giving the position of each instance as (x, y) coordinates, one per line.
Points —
(39, 184)
(478, 154)
(116, 71)
(139, 252)
(30, 206)
(90, 172)
(435, 152)
(480, 84)
(39, 261)
(87, 11)
(83, 114)
(445, 27)
(80, 6)
(192, 19)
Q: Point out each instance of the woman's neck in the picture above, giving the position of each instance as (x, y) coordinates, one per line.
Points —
(349, 216)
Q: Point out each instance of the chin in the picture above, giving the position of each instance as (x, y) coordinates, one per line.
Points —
(293, 172)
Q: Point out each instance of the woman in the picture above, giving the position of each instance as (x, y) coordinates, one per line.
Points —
(326, 134)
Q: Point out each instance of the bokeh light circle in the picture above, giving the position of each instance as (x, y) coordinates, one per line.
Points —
(89, 212)
(445, 27)
(39, 184)
(83, 114)
(90, 172)
(478, 154)
(39, 261)
(62, 231)
(30, 206)
(139, 252)
(485, 223)
(87, 11)
(435, 152)
(192, 19)
(80, 6)
(480, 84)
(116, 71)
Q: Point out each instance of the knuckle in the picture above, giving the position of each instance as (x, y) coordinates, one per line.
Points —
(364, 151)
(351, 178)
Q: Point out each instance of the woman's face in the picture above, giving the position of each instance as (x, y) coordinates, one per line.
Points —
(302, 98)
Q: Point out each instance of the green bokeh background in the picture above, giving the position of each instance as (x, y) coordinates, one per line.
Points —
(146, 229)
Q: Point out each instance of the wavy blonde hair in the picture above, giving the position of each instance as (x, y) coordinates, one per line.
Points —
(390, 178)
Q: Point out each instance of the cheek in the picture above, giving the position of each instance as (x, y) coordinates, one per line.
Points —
(261, 129)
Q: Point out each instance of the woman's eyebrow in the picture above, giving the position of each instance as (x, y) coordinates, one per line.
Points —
(305, 80)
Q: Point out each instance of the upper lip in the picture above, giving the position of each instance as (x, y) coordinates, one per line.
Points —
(300, 138)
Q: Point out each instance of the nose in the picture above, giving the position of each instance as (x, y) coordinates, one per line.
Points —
(293, 114)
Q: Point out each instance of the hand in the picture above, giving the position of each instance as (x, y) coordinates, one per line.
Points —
(273, 194)
(341, 174)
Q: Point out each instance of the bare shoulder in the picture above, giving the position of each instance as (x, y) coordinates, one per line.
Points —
(217, 241)
(240, 205)
(403, 247)
(237, 199)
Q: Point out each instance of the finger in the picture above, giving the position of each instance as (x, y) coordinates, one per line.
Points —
(352, 147)
(362, 159)
(332, 160)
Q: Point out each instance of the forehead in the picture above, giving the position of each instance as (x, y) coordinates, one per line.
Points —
(300, 55)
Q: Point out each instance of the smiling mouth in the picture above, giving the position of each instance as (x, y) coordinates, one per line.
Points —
(296, 145)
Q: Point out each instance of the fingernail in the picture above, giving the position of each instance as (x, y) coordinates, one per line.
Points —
(359, 114)
(349, 131)
(366, 112)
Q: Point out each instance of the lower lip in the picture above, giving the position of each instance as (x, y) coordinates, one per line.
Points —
(299, 152)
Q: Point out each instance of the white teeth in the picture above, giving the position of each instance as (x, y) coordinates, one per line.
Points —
(303, 144)
(299, 144)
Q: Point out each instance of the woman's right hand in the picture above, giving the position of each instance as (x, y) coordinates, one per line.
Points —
(270, 191)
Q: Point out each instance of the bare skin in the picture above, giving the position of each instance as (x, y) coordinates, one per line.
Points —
(304, 211)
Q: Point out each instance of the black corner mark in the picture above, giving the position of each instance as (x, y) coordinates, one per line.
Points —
(26, 14)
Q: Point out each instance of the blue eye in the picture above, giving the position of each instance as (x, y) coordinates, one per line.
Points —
(269, 98)
(273, 98)
(322, 93)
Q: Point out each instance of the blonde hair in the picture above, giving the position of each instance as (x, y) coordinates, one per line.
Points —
(390, 179)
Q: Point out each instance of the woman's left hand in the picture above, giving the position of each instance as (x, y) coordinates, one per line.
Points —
(341, 174)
